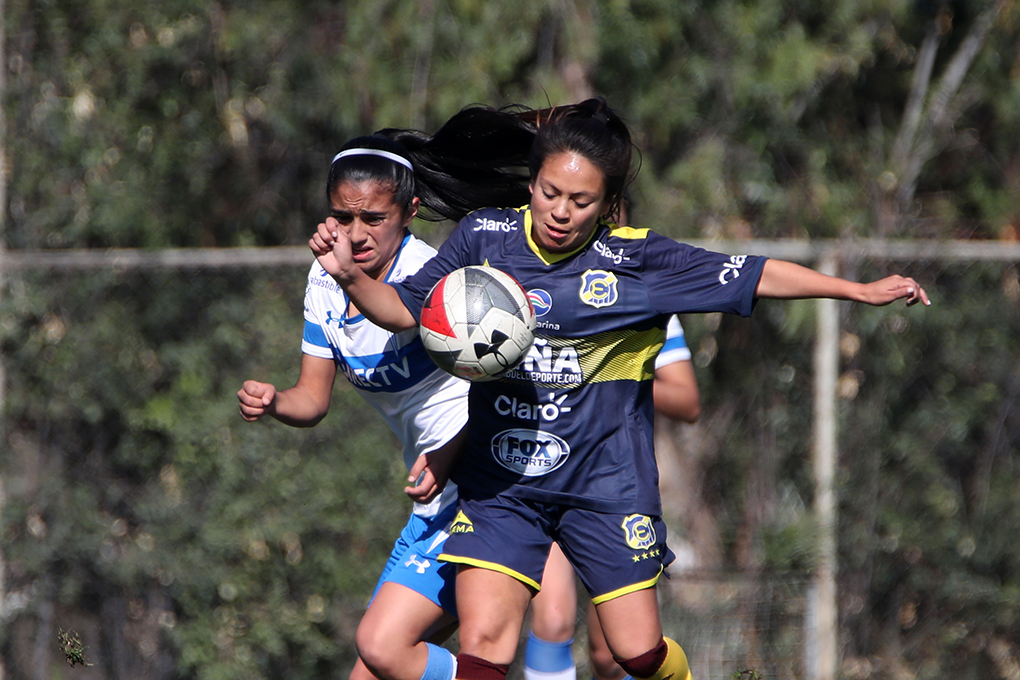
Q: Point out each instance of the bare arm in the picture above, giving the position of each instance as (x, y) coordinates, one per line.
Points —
(787, 280)
(675, 391)
(375, 299)
(303, 405)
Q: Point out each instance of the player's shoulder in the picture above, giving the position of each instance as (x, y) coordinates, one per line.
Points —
(628, 233)
(648, 238)
(635, 247)
(414, 252)
(495, 220)
(416, 249)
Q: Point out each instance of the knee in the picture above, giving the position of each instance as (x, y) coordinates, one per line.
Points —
(603, 665)
(477, 641)
(666, 660)
(360, 672)
(554, 626)
(377, 652)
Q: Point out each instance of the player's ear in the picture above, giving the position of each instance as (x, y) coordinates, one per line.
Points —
(415, 203)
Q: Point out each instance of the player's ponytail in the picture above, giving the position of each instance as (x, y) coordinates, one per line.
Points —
(477, 159)
(486, 157)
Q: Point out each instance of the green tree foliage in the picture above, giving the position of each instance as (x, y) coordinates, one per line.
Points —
(244, 545)
(177, 540)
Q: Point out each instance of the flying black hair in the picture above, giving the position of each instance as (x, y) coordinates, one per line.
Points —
(486, 157)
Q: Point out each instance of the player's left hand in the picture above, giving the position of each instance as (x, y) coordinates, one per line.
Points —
(893, 288)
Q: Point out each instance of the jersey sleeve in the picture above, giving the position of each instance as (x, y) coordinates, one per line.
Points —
(675, 348)
(681, 278)
(313, 339)
(453, 254)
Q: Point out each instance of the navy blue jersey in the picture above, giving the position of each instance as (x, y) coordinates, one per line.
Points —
(572, 425)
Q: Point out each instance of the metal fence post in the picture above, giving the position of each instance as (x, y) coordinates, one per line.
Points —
(822, 651)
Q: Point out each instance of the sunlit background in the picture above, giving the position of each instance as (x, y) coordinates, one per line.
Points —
(176, 541)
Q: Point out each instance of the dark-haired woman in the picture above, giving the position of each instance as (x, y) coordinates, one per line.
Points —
(587, 478)
(371, 195)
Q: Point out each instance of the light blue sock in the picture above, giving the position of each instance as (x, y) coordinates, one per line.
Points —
(442, 665)
(544, 660)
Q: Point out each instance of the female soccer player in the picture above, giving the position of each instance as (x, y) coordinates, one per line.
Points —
(371, 190)
(372, 197)
(548, 654)
(588, 478)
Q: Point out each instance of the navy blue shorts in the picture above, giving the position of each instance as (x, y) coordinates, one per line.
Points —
(613, 554)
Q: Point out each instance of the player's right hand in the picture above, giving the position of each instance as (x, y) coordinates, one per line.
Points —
(332, 248)
(255, 399)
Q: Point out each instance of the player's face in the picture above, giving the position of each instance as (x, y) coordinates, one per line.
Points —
(375, 224)
(567, 198)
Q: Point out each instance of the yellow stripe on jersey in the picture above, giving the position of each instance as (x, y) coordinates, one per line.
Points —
(563, 363)
(620, 355)
(629, 232)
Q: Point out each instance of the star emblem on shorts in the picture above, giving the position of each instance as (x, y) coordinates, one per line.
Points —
(647, 555)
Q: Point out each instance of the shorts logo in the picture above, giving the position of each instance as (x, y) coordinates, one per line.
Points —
(461, 524)
(541, 301)
(422, 566)
(598, 288)
(638, 531)
(531, 453)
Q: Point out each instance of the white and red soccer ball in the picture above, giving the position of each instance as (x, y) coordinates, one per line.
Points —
(477, 322)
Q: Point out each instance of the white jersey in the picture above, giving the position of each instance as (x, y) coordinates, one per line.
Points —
(675, 349)
(424, 406)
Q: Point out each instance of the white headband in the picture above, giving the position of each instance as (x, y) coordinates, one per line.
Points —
(375, 152)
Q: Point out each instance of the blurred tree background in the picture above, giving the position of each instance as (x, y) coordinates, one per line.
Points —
(181, 542)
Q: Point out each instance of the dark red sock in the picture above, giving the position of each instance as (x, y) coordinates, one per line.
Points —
(645, 665)
(473, 668)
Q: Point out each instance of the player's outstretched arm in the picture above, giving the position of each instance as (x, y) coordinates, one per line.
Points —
(375, 299)
(303, 405)
(786, 280)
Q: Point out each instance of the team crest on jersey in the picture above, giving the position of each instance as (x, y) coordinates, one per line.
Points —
(461, 524)
(638, 531)
(598, 288)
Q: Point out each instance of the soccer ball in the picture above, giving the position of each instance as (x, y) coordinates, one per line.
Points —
(477, 322)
